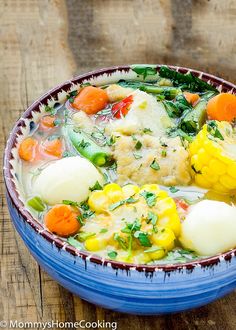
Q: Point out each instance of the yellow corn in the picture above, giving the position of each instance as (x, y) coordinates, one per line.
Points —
(113, 192)
(95, 244)
(130, 190)
(165, 206)
(213, 160)
(164, 237)
(98, 201)
(172, 222)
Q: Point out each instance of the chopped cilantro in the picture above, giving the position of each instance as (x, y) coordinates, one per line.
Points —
(71, 203)
(84, 144)
(122, 202)
(137, 156)
(147, 130)
(153, 249)
(143, 238)
(150, 198)
(212, 128)
(80, 219)
(111, 140)
(173, 189)
(103, 230)
(138, 145)
(152, 217)
(82, 236)
(154, 165)
(163, 153)
(112, 254)
(96, 186)
(121, 241)
(134, 137)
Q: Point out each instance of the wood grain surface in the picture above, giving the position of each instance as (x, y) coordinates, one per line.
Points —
(46, 42)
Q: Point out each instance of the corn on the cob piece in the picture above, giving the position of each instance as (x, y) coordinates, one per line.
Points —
(213, 157)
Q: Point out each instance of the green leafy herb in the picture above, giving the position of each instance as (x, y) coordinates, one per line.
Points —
(150, 198)
(80, 219)
(154, 165)
(137, 156)
(174, 131)
(132, 227)
(173, 189)
(36, 203)
(153, 249)
(144, 70)
(72, 241)
(84, 144)
(187, 81)
(163, 153)
(71, 96)
(57, 122)
(138, 145)
(147, 131)
(121, 241)
(83, 236)
(129, 200)
(96, 186)
(103, 230)
(143, 238)
(111, 140)
(212, 128)
(152, 217)
(112, 254)
(71, 203)
(180, 255)
(67, 154)
(134, 137)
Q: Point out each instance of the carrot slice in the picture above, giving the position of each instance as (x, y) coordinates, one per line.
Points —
(222, 107)
(47, 122)
(62, 220)
(28, 149)
(91, 100)
(191, 97)
(53, 147)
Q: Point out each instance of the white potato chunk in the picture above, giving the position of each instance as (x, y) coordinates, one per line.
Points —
(209, 228)
(117, 93)
(67, 178)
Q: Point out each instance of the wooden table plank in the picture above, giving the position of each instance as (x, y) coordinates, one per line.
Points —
(46, 42)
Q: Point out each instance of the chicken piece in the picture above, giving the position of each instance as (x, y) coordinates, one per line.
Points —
(148, 159)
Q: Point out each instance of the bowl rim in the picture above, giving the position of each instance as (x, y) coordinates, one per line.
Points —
(58, 242)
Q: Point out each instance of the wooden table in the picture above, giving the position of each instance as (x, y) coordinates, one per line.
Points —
(44, 43)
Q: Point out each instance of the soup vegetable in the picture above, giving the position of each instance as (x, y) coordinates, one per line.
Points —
(139, 171)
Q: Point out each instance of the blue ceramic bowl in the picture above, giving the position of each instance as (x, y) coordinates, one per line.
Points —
(118, 286)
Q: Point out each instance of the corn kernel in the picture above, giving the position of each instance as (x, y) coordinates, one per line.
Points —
(154, 188)
(164, 237)
(228, 182)
(208, 175)
(202, 181)
(156, 255)
(95, 244)
(114, 192)
(172, 222)
(130, 190)
(203, 157)
(219, 188)
(231, 170)
(217, 167)
(165, 206)
(98, 201)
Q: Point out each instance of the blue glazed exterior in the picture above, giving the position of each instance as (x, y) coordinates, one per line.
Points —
(129, 289)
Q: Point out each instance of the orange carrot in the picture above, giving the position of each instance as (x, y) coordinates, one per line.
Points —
(222, 107)
(191, 97)
(62, 220)
(47, 122)
(53, 147)
(28, 149)
(91, 100)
